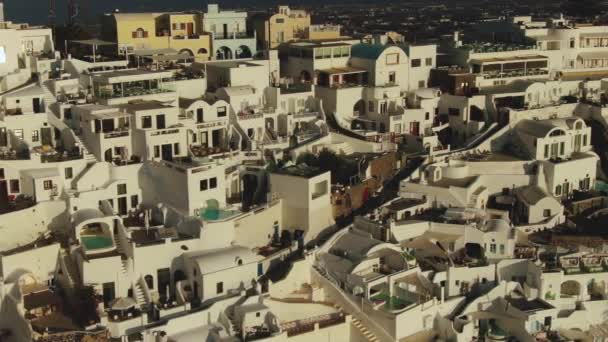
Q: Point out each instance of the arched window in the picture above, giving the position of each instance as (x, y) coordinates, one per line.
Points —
(578, 125)
(149, 281)
(558, 190)
(202, 51)
(140, 33)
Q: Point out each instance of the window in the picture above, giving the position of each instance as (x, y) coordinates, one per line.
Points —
(258, 314)
(174, 26)
(35, 135)
(392, 58)
(562, 146)
(69, 173)
(416, 63)
(392, 77)
(572, 43)
(221, 112)
(502, 248)
(204, 184)
(156, 151)
(428, 61)
(280, 20)
(199, 115)
(453, 111)
(14, 185)
(67, 113)
(547, 213)
(134, 201)
(176, 148)
(421, 84)
(139, 33)
(370, 106)
(584, 139)
(121, 189)
(546, 151)
(47, 184)
(213, 183)
(219, 287)
(558, 190)
(383, 108)
(146, 121)
(1, 173)
(492, 248)
(18, 133)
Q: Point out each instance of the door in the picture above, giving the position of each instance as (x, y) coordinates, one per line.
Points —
(190, 29)
(37, 105)
(3, 196)
(577, 143)
(122, 206)
(167, 152)
(160, 121)
(415, 128)
(215, 137)
(3, 137)
(225, 31)
(46, 136)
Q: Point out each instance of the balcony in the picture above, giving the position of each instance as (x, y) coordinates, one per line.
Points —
(10, 154)
(232, 35)
(16, 203)
(116, 134)
(295, 88)
(516, 73)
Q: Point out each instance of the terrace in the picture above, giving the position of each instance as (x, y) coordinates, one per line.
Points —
(16, 203)
(488, 47)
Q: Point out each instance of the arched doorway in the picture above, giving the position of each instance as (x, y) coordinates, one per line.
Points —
(570, 289)
(243, 51)
(186, 52)
(305, 76)
(223, 52)
(149, 281)
(359, 108)
(107, 156)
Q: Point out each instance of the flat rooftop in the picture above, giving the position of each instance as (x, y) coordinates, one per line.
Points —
(301, 170)
(145, 105)
(525, 305)
(404, 203)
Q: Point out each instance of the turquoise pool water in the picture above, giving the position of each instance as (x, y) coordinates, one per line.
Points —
(217, 214)
(96, 242)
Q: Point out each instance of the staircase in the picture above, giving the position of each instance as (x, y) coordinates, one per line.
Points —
(71, 271)
(369, 336)
(236, 330)
(473, 200)
(138, 292)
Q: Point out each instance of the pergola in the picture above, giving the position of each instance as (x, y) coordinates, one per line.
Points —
(94, 44)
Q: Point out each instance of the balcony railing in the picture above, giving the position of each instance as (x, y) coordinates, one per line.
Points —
(516, 73)
(232, 35)
(116, 134)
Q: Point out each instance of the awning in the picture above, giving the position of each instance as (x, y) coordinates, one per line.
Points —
(342, 71)
(93, 42)
(154, 52)
(595, 35)
(593, 55)
(523, 58)
(171, 57)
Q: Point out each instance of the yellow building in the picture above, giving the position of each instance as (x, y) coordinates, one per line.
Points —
(287, 25)
(182, 32)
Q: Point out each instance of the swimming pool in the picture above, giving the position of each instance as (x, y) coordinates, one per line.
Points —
(217, 214)
(96, 242)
